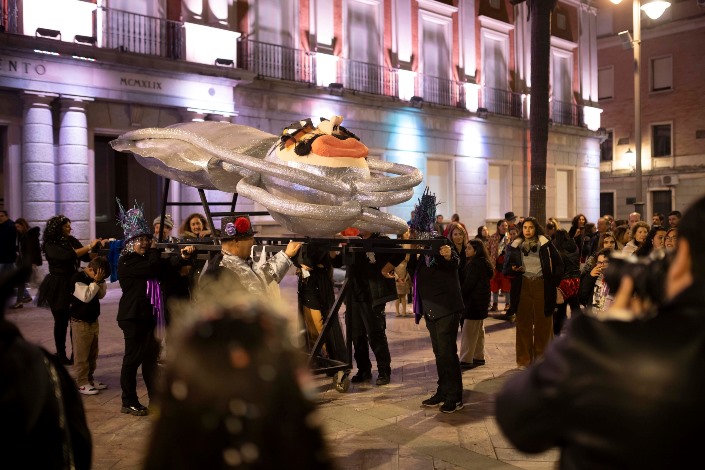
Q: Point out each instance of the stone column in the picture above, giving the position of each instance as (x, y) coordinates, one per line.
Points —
(72, 165)
(38, 170)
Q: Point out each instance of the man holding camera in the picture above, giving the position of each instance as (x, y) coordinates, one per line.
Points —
(624, 391)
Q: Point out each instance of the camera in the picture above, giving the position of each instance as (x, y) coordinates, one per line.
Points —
(648, 273)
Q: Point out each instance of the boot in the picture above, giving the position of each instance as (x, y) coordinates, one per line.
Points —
(494, 307)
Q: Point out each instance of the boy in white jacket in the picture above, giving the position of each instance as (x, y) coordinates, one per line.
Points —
(88, 288)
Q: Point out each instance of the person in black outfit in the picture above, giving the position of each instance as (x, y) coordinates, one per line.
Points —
(438, 298)
(570, 282)
(141, 307)
(475, 288)
(371, 290)
(316, 297)
(624, 390)
(64, 254)
(43, 422)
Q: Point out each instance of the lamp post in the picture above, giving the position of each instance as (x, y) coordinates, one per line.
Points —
(653, 9)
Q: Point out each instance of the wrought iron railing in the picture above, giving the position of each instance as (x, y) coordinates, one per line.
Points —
(9, 15)
(566, 113)
(441, 91)
(273, 61)
(130, 32)
(368, 78)
(503, 102)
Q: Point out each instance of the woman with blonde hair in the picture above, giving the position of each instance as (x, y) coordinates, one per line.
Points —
(459, 241)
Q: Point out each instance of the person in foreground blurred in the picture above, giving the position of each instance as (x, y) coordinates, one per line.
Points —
(624, 392)
(233, 394)
(43, 422)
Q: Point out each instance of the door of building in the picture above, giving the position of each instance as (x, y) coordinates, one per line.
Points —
(118, 175)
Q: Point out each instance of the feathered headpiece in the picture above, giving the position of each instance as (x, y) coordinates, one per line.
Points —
(133, 222)
(424, 216)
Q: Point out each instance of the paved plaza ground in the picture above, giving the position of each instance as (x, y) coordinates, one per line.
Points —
(368, 427)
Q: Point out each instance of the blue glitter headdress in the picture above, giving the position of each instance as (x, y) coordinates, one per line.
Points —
(422, 225)
(133, 222)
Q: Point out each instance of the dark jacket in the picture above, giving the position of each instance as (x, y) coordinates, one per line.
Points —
(133, 272)
(28, 247)
(33, 429)
(476, 288)
(570, 255)
(61, 256)
(437, 286)
(616, 394)
(551, 267)
(8, 239)
(367, 282)
(84, 311)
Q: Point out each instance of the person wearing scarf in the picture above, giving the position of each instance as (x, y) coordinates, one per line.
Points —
(536, 268)
(141, 308)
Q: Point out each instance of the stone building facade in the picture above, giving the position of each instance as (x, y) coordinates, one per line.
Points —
(441, 85)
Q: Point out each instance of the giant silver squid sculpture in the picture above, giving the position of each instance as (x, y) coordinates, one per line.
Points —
(314, 180)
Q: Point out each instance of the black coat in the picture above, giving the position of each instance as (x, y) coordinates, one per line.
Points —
(476, 288)
(437, 286)
(366, 280)
(28, 247)
(551, 267)
(32, 428)
(133, 272)
(616, 394)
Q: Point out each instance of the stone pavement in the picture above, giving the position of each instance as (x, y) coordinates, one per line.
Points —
(367, 427)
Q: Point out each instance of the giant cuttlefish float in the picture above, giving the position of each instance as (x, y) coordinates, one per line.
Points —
(314, 180)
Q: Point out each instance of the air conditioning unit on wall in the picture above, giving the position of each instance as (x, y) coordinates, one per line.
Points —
(669, 180)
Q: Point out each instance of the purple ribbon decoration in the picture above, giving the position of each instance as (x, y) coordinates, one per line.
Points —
(418, 310)
(154, 293)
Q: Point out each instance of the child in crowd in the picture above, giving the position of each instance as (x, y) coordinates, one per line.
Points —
(88, 288)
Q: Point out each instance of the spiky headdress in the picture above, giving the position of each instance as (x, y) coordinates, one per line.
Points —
(133, 222)
(424, 216)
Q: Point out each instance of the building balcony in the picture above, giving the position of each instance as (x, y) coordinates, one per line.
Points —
(120, 31)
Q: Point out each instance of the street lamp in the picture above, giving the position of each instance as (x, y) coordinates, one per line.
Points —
(653, 9)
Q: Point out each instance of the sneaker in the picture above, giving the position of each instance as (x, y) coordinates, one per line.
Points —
(478, 362)
(451, 406)
(134, 410)
(17, 305)
(361, 377)
(88, 390)
(383, 378)
(27, 299)
(434, 401)
(99, 385)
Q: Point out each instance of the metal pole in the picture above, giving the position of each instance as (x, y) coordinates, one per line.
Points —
(638, 201)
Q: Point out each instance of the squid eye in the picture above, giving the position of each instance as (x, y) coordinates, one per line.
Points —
(303, 148)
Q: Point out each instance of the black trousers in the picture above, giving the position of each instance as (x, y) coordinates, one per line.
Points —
(141, 349)
(61, 324)
(370, 324)
(444, 334)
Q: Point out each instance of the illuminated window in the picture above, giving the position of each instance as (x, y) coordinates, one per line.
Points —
(661, 73)
(661, 140)
(605, 83)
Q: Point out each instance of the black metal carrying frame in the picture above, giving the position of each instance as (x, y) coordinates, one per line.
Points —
(347, 246)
